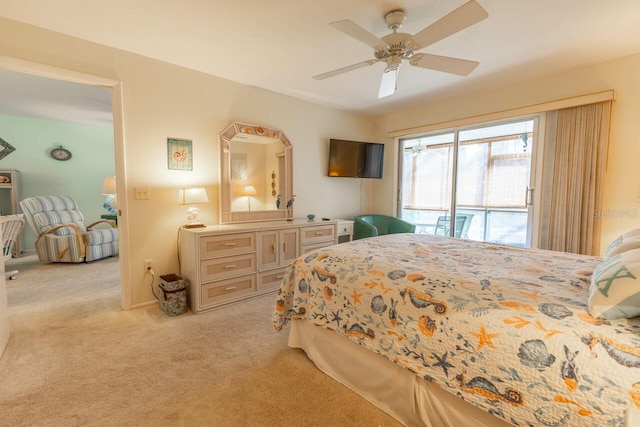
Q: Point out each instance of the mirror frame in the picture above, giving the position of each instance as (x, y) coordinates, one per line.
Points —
(247, 132)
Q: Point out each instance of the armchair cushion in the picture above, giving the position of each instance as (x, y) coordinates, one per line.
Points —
(378, 225)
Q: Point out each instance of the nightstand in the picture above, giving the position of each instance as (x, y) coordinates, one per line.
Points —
(345, 230)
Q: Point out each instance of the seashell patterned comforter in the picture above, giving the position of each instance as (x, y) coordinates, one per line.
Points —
(504, 328)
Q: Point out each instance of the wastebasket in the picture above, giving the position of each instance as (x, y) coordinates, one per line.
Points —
(173, 294)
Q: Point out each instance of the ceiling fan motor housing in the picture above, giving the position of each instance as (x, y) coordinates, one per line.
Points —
(398, 44)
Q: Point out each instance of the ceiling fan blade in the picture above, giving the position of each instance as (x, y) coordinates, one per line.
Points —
(388, 84)
(354, 30)
(461, 67)
(465, 16)
(345, 69)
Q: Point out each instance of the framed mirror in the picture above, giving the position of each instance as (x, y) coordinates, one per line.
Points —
(256, 174)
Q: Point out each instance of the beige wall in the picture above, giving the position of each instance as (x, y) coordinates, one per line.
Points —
(162, 100)
(622, 181)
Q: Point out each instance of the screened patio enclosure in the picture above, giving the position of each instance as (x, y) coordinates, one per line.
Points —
(482, 174)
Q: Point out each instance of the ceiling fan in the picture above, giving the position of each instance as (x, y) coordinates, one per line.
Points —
(396, 47)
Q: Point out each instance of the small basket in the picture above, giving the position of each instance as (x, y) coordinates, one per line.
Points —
(173, 294)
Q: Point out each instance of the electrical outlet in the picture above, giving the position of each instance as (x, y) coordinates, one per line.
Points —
(142, 193)
(147, 264)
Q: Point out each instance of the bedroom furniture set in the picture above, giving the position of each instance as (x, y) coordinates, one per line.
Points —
(435, 331)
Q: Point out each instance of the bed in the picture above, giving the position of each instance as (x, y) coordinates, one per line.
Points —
(448, 332)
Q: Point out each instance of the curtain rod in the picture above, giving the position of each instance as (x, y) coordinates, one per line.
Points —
(573, 101)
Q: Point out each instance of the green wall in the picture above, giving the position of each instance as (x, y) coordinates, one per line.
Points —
(80, 177)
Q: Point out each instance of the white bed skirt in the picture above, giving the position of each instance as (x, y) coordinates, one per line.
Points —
(408, 398)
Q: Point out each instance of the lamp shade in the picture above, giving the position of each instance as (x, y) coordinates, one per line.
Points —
(249, 190)
(190, 196)
(109, 185)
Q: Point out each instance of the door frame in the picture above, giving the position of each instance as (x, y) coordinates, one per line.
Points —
(42, 70)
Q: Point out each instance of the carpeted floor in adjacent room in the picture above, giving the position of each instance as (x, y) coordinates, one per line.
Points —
(75, 359)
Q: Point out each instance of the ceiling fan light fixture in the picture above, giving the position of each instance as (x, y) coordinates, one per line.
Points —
(393, 63)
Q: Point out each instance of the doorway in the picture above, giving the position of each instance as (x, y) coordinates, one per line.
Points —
(113, 88)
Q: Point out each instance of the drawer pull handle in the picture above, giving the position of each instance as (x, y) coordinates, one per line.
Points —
(279, 277)
(318, 233)
(230, 243)
(230, 288)
(230, 266)
(273, 248)
(284, 246)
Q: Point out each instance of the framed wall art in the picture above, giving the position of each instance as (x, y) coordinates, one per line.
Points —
(179, 154)
(5, 148)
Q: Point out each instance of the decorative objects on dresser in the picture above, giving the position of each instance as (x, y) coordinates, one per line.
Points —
(192, 196)
(290, 207)
(229, 263)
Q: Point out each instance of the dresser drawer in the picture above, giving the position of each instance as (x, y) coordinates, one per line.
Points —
(225, 245)
(270, 279)
(314, 246)
(321, 233)
(221, 268)
(217, 292)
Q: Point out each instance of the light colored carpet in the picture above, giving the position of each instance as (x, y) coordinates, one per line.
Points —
(75, 359)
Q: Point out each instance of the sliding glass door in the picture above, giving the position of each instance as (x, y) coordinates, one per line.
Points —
(480, 176)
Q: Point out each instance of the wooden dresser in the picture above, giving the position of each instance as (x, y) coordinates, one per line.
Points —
(232, 262)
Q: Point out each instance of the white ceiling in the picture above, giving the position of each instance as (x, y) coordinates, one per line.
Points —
(280, 45)
(41, 98)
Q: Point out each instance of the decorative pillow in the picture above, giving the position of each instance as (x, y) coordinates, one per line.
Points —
(615, 287)
(623, 243)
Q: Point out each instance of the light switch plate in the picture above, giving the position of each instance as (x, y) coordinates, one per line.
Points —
(142, 193)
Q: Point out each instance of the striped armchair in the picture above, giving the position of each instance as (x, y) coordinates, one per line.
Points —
(62, 235)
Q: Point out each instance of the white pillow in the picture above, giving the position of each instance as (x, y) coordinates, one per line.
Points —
(623, 243)
(615, 287)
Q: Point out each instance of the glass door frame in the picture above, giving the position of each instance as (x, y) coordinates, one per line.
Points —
(533, 199)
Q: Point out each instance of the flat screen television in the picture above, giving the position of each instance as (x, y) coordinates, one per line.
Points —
(355, 159)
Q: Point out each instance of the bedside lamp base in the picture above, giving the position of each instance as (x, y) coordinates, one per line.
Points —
(194, 225)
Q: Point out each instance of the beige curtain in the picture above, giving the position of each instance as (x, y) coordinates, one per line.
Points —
(582, 137)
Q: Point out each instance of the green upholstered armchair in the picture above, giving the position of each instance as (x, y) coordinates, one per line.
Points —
(377, 225)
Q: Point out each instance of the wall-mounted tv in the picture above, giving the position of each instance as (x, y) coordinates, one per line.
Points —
(355, 159)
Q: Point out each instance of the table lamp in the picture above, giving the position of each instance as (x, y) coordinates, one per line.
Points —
(192, 196)
(109, 190)
(249, 191)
